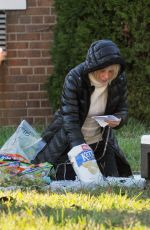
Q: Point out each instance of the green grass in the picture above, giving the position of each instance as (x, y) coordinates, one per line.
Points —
(129, 138)
(100, 210)
(103, 208)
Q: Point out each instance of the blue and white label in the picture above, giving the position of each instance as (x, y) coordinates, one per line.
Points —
(84, 156)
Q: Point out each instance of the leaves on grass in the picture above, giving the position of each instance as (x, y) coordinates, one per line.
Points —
(6, 199)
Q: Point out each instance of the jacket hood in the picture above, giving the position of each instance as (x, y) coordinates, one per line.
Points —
(101, 54)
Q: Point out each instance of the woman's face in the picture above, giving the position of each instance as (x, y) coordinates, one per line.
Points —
(105, 75)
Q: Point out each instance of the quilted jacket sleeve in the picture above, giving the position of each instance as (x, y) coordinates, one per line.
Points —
(70, 110)
(122, 108)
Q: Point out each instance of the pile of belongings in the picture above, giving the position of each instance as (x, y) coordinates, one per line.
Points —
(16, 168)
(16, 155)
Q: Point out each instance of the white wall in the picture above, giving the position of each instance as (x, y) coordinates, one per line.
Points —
(12, 4)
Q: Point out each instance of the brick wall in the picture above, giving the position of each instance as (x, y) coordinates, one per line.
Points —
(28, 64)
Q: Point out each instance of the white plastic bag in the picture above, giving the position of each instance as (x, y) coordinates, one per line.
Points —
(124, 182)
(84, 163)
(25, 141)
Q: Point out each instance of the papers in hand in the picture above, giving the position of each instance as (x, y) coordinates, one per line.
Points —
(102, 119)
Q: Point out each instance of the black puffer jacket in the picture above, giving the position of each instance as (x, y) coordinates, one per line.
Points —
(65, 130)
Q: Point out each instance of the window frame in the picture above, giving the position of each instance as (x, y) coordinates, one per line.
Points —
(3, 30)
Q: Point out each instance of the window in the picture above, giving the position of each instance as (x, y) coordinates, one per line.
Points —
(3, 30)
(12, 4)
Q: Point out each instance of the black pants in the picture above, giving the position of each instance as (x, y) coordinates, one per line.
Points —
(107, 163)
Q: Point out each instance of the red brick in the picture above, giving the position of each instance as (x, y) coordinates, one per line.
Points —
(27, 71)
(14, 121)
(4, 121)
(1, 113)
(17, 45)
(7, 87)
(12, 19)
(25, 19)
(39, 62)
(16, 79)
(15, 28)
(13, 112)
(46, 53)
(38, 11)
(39, 112)
(37, 78)
(31, 3)
(11, 54)
(33, 103)
(28, 119)
(13, 96)
(53, 12)
(11, 37)
(42, 87)
(16, 12)
(45, 3)
(49, 70)
(50, 20)
(3, 74)
(39, 70)
(18, 62)
(40, 45)
(13, 104)
(37, 95)
(39, 120)
(17, 120)
(28, 37)
(2, 104)
(48, 36)
(37, 19)
(14, 71)
(27, 87)
(45, 103)
(38, 28)
(29, 53)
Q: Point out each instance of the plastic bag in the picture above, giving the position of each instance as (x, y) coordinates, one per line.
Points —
(25, 141)
(18, 173)
(124, 182)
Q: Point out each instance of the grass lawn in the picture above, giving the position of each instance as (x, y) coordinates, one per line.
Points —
(103, 208)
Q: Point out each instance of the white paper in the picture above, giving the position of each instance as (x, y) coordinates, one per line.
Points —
(102, 119)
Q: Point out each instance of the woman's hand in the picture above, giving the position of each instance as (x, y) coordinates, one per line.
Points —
(113, 124)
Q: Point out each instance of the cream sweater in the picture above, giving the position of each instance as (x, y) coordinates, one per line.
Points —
(91, 129)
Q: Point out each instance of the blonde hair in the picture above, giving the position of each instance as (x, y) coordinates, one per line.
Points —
(116, 68)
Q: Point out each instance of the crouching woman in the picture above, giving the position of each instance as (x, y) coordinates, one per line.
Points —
(95, 87)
